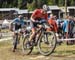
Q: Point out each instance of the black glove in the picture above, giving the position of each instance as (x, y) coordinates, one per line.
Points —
(36, 21)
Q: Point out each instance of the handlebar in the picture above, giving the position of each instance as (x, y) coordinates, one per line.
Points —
(40, 22)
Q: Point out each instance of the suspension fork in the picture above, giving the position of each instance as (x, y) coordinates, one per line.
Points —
(45, 38)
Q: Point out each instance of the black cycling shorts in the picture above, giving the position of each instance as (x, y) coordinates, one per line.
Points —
(16, 27)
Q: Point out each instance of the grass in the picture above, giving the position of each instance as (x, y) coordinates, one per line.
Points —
(5, 30)
(63, 51)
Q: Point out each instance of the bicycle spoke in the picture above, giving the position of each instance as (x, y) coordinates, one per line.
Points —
(48, 43)
(26, 50)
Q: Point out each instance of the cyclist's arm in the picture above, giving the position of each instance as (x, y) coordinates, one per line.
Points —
(23, 24)
(34, 15)
(11, 24)
(32, 18)
(14, 21)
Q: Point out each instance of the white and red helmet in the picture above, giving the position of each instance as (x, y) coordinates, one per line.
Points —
(45, 7)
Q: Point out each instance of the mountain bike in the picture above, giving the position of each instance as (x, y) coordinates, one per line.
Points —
(46, 41)
(19, 35)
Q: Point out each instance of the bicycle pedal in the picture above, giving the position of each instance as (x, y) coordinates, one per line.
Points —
(47, 42)
(29, 47)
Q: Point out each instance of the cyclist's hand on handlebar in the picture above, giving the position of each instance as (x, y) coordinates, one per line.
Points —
(43, 21)
(40, 22)
(37, 21)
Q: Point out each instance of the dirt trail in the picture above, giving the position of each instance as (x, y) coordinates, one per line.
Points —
(7, 54)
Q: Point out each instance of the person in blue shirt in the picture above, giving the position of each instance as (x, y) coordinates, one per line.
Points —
(71, 30)
(18, 22)
(68, 25)
(71, 26)
(65, 25)
(59, 23)
(16, 26)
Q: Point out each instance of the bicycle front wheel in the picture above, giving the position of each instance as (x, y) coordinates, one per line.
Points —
(47, 43)
(26, 50)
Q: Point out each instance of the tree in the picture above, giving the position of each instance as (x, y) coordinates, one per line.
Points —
(61, 2)
(31, 6)
(72, 2)
(35, 3)
(51, 2)
(29, 1)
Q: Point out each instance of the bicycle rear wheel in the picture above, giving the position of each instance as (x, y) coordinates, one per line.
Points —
(26, 50)
(47, 43)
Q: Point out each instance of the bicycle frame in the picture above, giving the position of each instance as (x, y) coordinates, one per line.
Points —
(36, 42)
(40, 31)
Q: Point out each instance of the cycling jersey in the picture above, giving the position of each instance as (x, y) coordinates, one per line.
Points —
(18, 23)
(38, 15)
(54, 24)
(65, 25)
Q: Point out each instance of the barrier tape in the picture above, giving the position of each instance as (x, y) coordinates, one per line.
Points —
(66, 39)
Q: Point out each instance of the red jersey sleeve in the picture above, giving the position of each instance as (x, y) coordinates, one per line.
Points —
(46, 16)
(35, 12)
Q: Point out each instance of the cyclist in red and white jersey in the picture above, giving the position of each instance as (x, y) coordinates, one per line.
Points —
(38, 14)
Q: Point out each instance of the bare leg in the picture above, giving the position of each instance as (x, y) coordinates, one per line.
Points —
(32, 35)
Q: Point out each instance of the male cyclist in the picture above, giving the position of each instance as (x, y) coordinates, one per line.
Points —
(52, 21)
(18, 24)
(38, 15)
